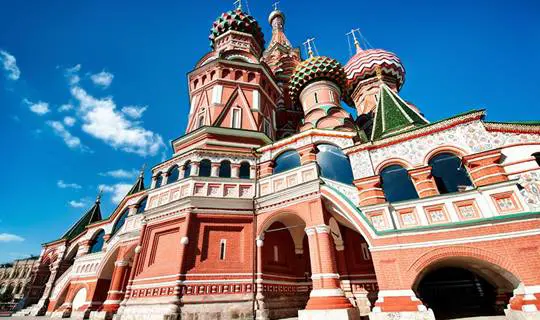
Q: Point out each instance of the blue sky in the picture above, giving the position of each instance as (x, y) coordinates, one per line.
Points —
(91, 90)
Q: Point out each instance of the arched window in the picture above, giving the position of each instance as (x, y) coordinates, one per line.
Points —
(245, 169)
(173, 174)
(98, 242)
(225, 169)
(159, 181)
(205, 168)
(536, 156)
(449, 173)
(286, 161)
(187, 169)
(120, 222)
(397, 184)
(142, 205)
(334, 164)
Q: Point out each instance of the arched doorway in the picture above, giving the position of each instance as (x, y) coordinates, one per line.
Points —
(459, 288)
(286, 267)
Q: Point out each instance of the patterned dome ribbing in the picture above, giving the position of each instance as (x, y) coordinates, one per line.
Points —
(317, 68)
(364, 63)
(236, 20)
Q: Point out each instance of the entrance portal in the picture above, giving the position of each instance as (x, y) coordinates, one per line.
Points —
(456, 292)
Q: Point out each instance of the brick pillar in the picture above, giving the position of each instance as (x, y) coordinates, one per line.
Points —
(369, 190)
(484, 167)
(525, 304)
(116, 290)
(424, 182)
(308, 154)
(326, 293)
(266, 168)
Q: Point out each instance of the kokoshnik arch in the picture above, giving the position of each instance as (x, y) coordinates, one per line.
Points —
(278, 203)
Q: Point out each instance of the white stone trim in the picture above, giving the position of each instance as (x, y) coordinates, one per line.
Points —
(338, 292)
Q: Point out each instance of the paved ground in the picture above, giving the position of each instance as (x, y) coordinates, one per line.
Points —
(472, 318)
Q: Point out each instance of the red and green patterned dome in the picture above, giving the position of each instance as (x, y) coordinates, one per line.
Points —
(236, 20)
(318, 68)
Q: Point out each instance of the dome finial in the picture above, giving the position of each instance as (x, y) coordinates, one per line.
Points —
(100, 193)
(355, 39)
(141, 172)
(275, 5)
(308, 45)
(238, 4)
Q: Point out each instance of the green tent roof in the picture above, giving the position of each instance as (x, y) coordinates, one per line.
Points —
(91, 216)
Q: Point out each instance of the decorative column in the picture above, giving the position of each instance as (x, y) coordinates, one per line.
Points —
(261, 312)
(424, 182)
(164, 177)
(266, 168)
(84, 247)
(326, 300)
(484, 167)
(133, 209)
(154, 180)
(369, 190)
(307, 154)
(194, 168)
(214, 169)
(235, 170)
(43, 302)
(252, 171)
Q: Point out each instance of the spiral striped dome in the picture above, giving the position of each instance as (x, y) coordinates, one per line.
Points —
(236, 20)
(364, 63)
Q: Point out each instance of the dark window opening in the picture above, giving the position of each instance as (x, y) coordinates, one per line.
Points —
(225, 169)
(449, 173)
(396, 184)
(205, 168)
(286, 161)
(334, 164)
(245, 169)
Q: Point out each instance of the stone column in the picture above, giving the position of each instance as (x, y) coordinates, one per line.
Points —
(154, 180)
(369, 190)
(424, 182)
(214, 169)
(252, 171)
(133, 209)
(165, 177)
(484, 167)
(235, 170)
(327, 300)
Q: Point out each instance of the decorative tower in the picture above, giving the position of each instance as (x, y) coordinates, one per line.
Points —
(230, 87)
(319, 83)
(282, 59)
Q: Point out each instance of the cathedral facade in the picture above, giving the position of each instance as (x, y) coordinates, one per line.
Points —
(277, 203)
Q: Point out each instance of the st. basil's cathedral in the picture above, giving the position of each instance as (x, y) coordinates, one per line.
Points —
(278, 203)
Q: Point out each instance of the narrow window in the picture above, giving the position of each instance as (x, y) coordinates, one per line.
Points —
(217, 90)
(236, 118)
(256, 100)
(276, 254)
(222, 249)
(266, 128)
(316, 97)
(201, 121)
(366, 255)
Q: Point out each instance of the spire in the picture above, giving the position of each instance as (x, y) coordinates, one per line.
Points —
(138, 186)
(91, 216)
(393, 114)
(277, 21)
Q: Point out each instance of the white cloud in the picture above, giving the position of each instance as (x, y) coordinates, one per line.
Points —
(10, 65)
(102, 121)
(118, 190)
(71, 141)
(120, 174)
(63, 185)
(39, 108)
(72, 74)
(8, 237)
(102, 79)
(69, 121)
(134, 112)
(77, 204)
(65, 107)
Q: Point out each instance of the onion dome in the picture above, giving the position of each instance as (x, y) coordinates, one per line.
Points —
(364, 63)
(317, 68)
(236, 20)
